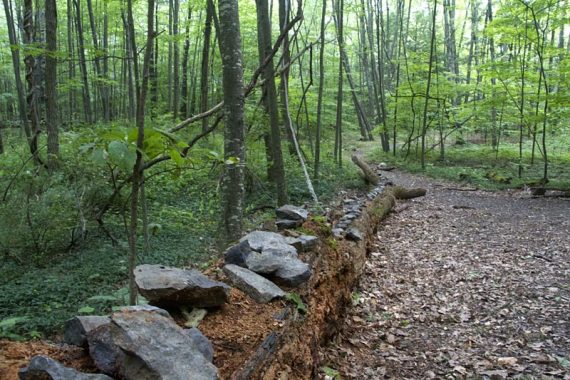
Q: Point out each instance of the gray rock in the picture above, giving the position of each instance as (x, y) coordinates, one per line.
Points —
(295, 242)
(292, 213)
(103, 350)
(266, 262)
(77, 328)
(238, 253)
(308, 242)
(293, 272)
(202, 343)
(354, 234)
(283, 224)
(42, 368)
(147, 308)
(155, 347)
(261, 241)
(259, 288)
(337, 232)
(173, 286)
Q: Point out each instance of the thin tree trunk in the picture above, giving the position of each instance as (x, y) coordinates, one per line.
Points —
(138, 171)
(176, 61)
(430, 66)
(30, 62)
(317, 164)
(50, 83)
(103, 89)
(339, 94)
(233, 189)
(205, 70)
(16, 66)
(268, 74)
(185, 55)
(82, 64)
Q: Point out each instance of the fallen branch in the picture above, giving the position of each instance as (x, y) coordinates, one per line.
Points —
(369, 175)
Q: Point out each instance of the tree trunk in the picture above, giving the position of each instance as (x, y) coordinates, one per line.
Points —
(101, 85)
(430, 66)
(31, 97)
(138, 171)
(16, 66)
(233, 190)
(176, 61)
(339, 94)
(205, 70)
(50, 83)
(82, 64)
(185, 55)
(268, 74)
(317, 165)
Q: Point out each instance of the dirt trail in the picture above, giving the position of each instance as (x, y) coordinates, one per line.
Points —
(462, 284)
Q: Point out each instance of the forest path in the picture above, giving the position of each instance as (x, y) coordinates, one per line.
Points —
(462, 284)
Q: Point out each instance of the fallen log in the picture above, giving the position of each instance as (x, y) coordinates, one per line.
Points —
(369, 175)
(293, 351)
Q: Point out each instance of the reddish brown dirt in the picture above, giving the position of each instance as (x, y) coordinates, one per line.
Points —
(14, 355)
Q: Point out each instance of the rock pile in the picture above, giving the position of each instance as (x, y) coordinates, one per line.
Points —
(144, 342)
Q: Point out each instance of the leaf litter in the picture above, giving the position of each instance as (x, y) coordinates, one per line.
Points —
(462, 285)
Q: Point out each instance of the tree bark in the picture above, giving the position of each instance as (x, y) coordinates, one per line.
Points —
(82, 64)
(268, 74)
(233, 190)
(50, 83)
(16, 66)
(138, 169)
(205, 70)
(317, 164)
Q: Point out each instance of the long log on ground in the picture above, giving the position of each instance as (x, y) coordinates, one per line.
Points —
(293, 353)
(369, 175)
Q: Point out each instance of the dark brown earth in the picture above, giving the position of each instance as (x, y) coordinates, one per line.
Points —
(462, 285)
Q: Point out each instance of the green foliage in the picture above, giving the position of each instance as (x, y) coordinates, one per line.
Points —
(295, 298)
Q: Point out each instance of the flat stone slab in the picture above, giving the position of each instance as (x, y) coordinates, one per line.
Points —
(77, 328)
(257, 287)
(261, 241)
(42, 368)
(291, 212)
(283, 224)
(168, 286)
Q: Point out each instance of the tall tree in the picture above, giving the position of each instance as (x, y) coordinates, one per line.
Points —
(317, 165)
(82, 62)
(233, 190)
(265, 53)
(205, 69)
(428, 85)
(138, 169)
(50, 84)
(15, 52)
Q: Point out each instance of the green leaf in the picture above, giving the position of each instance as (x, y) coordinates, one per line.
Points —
(120, 155)
(102, 298)
(86, 310)
(232, 161)
(296, 299)
(9, 323)
(176, 157)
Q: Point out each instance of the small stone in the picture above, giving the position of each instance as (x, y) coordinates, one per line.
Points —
(259, 288)
(337, 232)
(354, 234)
(42, 367)
(103, 351)
(293, 273)
(308, 242)
(283, 224)
(147, 308)
(292, 213)
(238, 253)
(266, 262)
(77, 328)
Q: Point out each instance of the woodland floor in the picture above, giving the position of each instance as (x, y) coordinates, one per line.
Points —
(462, 284)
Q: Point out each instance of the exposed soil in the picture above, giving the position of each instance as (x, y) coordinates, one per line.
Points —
(462, 284)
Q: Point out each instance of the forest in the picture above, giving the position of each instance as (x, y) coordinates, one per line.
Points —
(160, 131)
